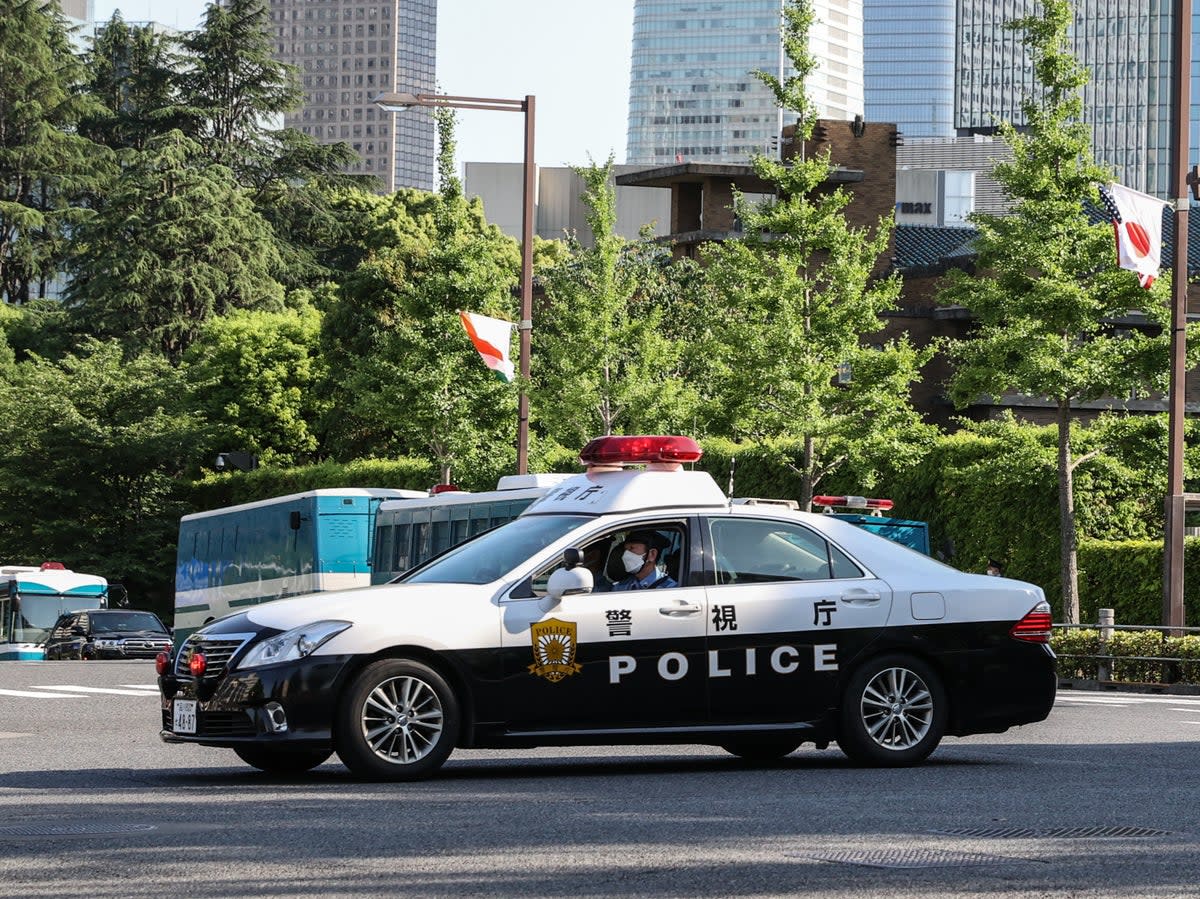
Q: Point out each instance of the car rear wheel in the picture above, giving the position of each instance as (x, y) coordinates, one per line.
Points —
(278, 760)
(893, 712)
(399, 721)
(761, 750)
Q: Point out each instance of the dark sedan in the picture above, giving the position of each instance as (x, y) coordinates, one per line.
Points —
(108, 634)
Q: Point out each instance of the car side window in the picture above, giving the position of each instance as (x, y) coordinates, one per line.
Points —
(757, 551)
(603, 556)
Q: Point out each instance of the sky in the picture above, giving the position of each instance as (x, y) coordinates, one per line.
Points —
(572, 55)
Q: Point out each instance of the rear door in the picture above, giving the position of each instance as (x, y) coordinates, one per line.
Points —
(786, 610)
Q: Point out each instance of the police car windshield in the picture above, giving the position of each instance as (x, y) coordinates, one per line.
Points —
(494, 554)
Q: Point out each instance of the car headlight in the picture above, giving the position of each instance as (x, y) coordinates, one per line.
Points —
(295, 644)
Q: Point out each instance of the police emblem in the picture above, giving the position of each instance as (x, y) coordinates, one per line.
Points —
(553, 649)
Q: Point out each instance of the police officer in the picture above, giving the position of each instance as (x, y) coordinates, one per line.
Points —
(641, 558)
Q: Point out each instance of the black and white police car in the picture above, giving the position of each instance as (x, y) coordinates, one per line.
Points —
(769, 628)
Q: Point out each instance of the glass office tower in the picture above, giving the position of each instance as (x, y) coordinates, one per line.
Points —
(350, 52)
(908, 65)
(692, 97)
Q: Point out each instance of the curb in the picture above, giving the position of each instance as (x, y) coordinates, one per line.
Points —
(1108, 686)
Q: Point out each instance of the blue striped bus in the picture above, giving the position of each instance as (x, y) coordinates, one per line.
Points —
(256, 552)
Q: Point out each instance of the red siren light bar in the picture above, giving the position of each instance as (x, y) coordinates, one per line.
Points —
(852, 502)
(443, 488)
(640, 449)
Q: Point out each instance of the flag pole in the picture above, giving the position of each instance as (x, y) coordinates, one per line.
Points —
(1173, 611)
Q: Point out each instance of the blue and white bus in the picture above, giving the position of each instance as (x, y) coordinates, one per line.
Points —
(410, 531)
(32, 598)
(286, 546)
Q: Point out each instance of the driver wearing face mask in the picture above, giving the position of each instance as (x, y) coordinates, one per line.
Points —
(640, 558)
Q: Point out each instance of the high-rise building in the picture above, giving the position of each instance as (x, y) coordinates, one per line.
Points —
(1127, 50)
(908, 65)
(348, 53)
(692, 94)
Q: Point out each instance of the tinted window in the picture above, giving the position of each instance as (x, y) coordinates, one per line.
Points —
(750, 550)
(127, 621)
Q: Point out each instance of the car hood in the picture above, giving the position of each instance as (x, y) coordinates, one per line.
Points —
(436, 616)
(137, 635)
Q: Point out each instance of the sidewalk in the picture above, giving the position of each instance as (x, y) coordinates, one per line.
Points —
(1108, 686)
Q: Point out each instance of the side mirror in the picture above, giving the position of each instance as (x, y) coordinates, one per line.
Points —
(79, 631)
(570, 580)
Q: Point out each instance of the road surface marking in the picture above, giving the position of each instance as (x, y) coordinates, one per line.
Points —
(73, 688)
(27, 694)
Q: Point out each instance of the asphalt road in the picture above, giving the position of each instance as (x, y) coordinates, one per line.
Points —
(1103, 799)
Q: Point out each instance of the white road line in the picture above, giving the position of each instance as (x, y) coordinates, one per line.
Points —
(77, 689)
(153, 687)
(1127, 698)
(26, 694)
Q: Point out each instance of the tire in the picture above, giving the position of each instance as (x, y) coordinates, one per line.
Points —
(893, 712)
(398, 721)
(279, 760)
(762, 749)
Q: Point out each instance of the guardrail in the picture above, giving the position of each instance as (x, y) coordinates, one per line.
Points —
(1108, 652)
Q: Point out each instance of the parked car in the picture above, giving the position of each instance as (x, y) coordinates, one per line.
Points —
(107, 634)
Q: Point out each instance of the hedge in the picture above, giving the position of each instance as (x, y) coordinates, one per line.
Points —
(1127, 577)
(1077, 649)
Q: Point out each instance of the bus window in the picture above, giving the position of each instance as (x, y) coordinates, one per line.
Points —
(382, 556)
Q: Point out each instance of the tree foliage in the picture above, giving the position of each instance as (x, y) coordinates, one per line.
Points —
(92, 450)
(795, 300)
(177, 242)
(1049, 287)
(46, 168)
(604, 362)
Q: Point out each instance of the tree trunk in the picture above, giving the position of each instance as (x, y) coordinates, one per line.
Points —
(806, 475)
(1069, 572)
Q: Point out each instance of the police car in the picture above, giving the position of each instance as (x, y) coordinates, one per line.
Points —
(774, 628)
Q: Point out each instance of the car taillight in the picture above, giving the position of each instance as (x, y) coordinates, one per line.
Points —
(162, 663)
(198, 664)
(1036, 626)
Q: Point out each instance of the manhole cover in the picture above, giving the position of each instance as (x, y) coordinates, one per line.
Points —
(1052, 832)
(907, 858)
(72, 829)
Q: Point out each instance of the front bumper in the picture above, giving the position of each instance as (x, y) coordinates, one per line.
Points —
(232, 710)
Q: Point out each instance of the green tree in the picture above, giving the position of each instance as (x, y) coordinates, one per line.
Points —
(46, 168)
(404, 377)
(796, 301)
(604, 361)
(1048, 281)
(253, 376)
(92, 450)
(134, 73)
(176, 243)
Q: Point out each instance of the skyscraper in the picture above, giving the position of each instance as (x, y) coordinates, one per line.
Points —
(692, 96)
(908, 65)
(349, 52)
(1127, 49)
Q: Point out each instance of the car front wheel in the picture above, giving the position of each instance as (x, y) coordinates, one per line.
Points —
(893, 712)
(398, 721)
(276, 760)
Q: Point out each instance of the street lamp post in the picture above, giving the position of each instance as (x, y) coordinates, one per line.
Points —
(400, 102)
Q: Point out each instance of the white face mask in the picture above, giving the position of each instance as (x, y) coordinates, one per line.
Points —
(632, 561)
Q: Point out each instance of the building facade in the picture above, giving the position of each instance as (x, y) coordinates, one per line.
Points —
(347, 53)
(908, 65)
(941, 68)
(692, 97)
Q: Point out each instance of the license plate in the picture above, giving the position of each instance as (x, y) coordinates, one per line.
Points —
(185, 716)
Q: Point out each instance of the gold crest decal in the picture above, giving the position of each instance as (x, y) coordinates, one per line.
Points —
(553, 649)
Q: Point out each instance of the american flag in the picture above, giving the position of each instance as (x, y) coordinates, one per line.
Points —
(1110, 205)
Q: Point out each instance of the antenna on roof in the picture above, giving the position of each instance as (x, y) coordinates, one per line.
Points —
(732, 465)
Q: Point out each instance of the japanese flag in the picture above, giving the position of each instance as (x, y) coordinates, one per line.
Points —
(492, 338)
(1137, 223)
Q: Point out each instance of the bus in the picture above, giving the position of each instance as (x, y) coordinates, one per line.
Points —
(410, 531)
(32, 598)
(256, 552)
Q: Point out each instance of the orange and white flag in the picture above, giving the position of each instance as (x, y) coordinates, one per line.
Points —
(1137, 224)
(492, 338)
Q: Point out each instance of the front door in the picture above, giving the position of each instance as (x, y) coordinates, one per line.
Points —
(613, 658)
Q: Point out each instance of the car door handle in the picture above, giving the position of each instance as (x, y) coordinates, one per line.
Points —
(680, 608)
(861, 597)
